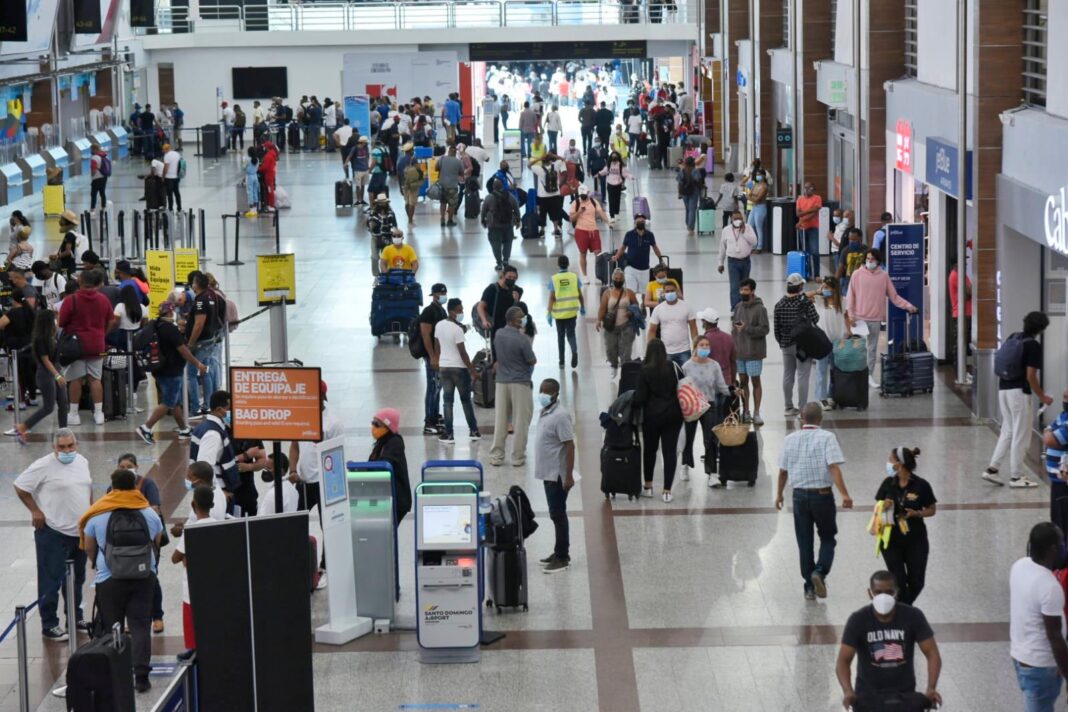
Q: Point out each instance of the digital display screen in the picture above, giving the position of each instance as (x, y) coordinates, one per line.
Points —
(260, 82)
(447, 524)
(333, 469)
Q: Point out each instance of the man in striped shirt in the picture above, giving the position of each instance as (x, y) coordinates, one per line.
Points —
(810, 461)
(1055, 440)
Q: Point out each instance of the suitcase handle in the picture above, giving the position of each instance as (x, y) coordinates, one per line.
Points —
(116, 637)
(665, 260)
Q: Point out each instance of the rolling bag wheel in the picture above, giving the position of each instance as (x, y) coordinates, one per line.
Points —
(396, 338)
(498, 610)
(489, 603)
(525, 608)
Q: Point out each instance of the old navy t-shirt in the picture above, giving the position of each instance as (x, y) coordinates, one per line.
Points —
(885, 651)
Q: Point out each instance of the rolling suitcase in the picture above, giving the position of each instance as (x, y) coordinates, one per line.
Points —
(674, 155)
(849, 389)
(706, 221)
(472, 199)
(604, 267)
(628, 375)
(313, 560)
(621, 471)
(114, 384)
(343, 194)
(393, 307)
(485, 387)
(740, 464)
(640, 205)
(797, 263)
(100, 675)
(508, 578)
(242, 198)
(654, 153)
(907, 371)
(293, 137)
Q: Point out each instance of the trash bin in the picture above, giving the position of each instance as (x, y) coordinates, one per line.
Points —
(211, 141)
(781, 225)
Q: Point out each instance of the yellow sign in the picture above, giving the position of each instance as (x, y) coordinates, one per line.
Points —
(186, 260)
(276, 276)
(160, 267)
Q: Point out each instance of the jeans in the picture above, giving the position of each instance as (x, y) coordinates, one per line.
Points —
(1041, 687)
(600, 184)
(1015, 431)
(565, 328)
(757, 216)
(680, 358)
(525, 140)
(906, 559)
(455, 380)
(98, 186)
(812, 509)
(174, 196)
(252, 191)
(500, 240)
(665, 433)
(711, 444)
(618, 344)
(737, 271)
(587, 140)
(51, 395)
(809, 239)
(632, 143)
(205, 353)
(556, 496)
(130, 600)
(691, 202)
(792, 366)
(237, 135)
(431, 396)
(53, 550)
(823, 378)
(552, 140)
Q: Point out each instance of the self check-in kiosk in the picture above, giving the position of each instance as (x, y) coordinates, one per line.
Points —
(103, 139)
(374, 540)
(33, 171)
(81, 152)
(448, 572)
(120, 139)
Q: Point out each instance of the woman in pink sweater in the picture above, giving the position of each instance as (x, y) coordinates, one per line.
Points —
(584, 214)
(869, 289)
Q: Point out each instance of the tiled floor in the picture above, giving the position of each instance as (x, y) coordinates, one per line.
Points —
(690, 606)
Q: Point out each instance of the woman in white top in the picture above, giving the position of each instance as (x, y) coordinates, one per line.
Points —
(126, 318)
(828, 301)
(706, 374)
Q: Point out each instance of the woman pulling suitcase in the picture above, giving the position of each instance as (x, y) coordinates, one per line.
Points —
(657, 394)
(706, 374)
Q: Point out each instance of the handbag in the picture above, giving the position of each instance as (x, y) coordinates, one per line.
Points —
(609, 321)
(692, 401)
(731, 432)
(68, 346)
(435, 192)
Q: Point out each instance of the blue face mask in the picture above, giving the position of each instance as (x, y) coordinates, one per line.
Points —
(545, 400)
(228, 419)
(66, 457)
(671, 296)
(188, 484)
(827, 293)
(443, 299)
(890, 471)
(703, 353)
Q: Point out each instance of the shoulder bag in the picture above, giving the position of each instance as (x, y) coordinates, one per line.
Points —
(68, 345)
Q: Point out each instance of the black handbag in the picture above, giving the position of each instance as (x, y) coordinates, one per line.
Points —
(68, 345)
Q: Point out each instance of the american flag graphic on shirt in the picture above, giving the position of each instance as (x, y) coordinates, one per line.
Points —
(887, 654)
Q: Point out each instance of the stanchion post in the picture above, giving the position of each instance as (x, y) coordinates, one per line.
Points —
(120, 228)
(203, 236)
(72, 610)
(237, 240)
(226, 355)
(136, 237)
(226, 250)
(190, 231)
(131, 404)
(24, 662)
(87, 227)
(185, 392)
(277, 233)
(16, 394)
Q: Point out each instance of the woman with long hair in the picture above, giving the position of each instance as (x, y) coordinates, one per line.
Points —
(691, 184)
(50, 383)
(616, 174)
(126, 318)
(706, 374)
(828, 303)
(657, 394)
(912, 500)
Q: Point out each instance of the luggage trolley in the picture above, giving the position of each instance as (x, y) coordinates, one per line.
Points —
(395, 304)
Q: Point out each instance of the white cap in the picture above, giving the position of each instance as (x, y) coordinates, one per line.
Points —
(583, 190)
(709, 315)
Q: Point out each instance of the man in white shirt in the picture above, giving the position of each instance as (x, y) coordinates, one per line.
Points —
(57, 489)
(675, 323)
(735, 247)
(634, 131)
(1036, 619)
(51, 282)
(455, 371)
(228, 116)
(549, 174)
(172, 163)
(258, 114)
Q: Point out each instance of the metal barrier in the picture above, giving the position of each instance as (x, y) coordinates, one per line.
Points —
(378, 16)
(237, 217)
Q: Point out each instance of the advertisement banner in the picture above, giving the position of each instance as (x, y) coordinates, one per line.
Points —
(276, 277)
(358, 111)
(271, 403)
(401, 75)
(186, 260)
(159, 264)
(905, 264)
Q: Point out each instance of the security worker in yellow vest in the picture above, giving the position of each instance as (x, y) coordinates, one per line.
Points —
(565, 305)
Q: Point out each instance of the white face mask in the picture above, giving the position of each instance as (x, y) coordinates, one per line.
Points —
(397, 241)
(845, 221)
(836, 219)
(737, 224)
(883, 603)
(872, 265)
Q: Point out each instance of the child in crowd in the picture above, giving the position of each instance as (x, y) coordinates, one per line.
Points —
(21, 255)
(203, 503)
(252, 182)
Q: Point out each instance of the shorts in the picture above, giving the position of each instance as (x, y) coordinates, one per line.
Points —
(170, 390)
(636, 280)
(378, 183)
(450, 196)
(411, 197)
(752, 367)
(361, 179)
(92, 367)
(588, 241)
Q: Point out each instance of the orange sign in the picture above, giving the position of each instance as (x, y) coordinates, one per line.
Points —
(271, 403)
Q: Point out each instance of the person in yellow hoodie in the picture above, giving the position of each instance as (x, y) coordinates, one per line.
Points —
(620, 142)
(121, 533)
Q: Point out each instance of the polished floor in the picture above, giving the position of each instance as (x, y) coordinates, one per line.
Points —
(691, 605)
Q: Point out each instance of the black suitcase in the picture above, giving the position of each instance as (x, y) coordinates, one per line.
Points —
(342, 194)
(508, 578)
(529, 229)
(486, 385)
(674, 273)
(100, 675)
(620, 436)
(628, 375)
(472, 199)
(621, 471)
(849, 390)
(114, 384)
(909, 370)
(740, 464)
(293, 136)
(604, 267)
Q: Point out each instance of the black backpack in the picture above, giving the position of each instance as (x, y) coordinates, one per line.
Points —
(526, 512)
(416, 347)
(146, 346)
(128, 550)
(551, 183)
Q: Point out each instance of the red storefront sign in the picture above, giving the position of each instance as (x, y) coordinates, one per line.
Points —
(904, 146)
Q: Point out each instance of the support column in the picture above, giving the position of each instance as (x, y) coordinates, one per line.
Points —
(886, 61)
(771, 37)
(814, 43)
(737, 29)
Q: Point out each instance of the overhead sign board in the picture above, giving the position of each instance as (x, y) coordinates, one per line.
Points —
(276, 403)
(943, 160)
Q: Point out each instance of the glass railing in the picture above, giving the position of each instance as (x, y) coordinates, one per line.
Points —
(417, 15)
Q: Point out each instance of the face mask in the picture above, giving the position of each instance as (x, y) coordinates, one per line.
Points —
(443, 298)
(890, 471)
(883, 603)
(703, 353)
(526, 320)
(188, 484)
(662, 280)
(397, 241)
(618, 284)
(836, 219)
(827, 293)
(845, 222)
(872, 265)
(509, 283)
(228, 419)
(640, 224)
(459, 317)
(378, 432)
(545, 400)
(737, 224)
(66, 457)
(671, 297)
(746, 297)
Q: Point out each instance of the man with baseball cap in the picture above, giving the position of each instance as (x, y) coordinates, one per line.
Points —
(792, 309)
(428, 320)
(721, 343)
(360, 160)
(173, 353)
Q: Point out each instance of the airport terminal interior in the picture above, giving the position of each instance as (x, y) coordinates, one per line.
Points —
(753, 136)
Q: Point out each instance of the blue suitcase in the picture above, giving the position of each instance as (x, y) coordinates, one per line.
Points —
(394, 307)
(797, 263)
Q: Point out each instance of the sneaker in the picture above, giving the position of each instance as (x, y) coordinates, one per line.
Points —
(574, 360)
(757, 420)
(715, 483)
(1021, 482)
(431, 430)
(145, 434)
(825, 404)
(446, 438)
(12, 432)
(141, 683)
(475, 435)
(443, 223)
(647, 492)
(185, 434)
(684, 473)
(496, 462)
(519, 463)
(830, 402)
(560, 365)
(74, 418)
(818, 584)
(548, 559)
(498, 268)
(451, 223)
(556, 566)
(251, 214)
(872, 382)
(992, 477)
(57, 634)
(667, 497)
(791, 411)
(746, 417)
(157, 626)
(810, 595)
(82, 626)
(98, 417)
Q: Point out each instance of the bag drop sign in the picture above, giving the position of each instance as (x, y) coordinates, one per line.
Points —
(276, 403)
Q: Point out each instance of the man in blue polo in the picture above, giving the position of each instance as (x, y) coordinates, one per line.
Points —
(636, 245)
(1055, 438)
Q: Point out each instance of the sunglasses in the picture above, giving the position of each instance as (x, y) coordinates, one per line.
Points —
(377, 424)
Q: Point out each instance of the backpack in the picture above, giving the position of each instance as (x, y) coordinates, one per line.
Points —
(551, 182)
(239, 120)
(502, 209)
(416, 347)
(413, 176)
(288, 112)
(128, 550)
(146, 345)
(105, 166)
(526, 512)
(232, 317)
(854, 261)
(1009, 359)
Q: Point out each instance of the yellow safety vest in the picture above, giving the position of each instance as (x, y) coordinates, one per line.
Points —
(566, 290)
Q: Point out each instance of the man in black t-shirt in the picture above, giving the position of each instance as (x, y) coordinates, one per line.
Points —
(428, 319)
(173, 354)
(202, 333)
(1014, 399)
(497, 298)
(883, 636)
